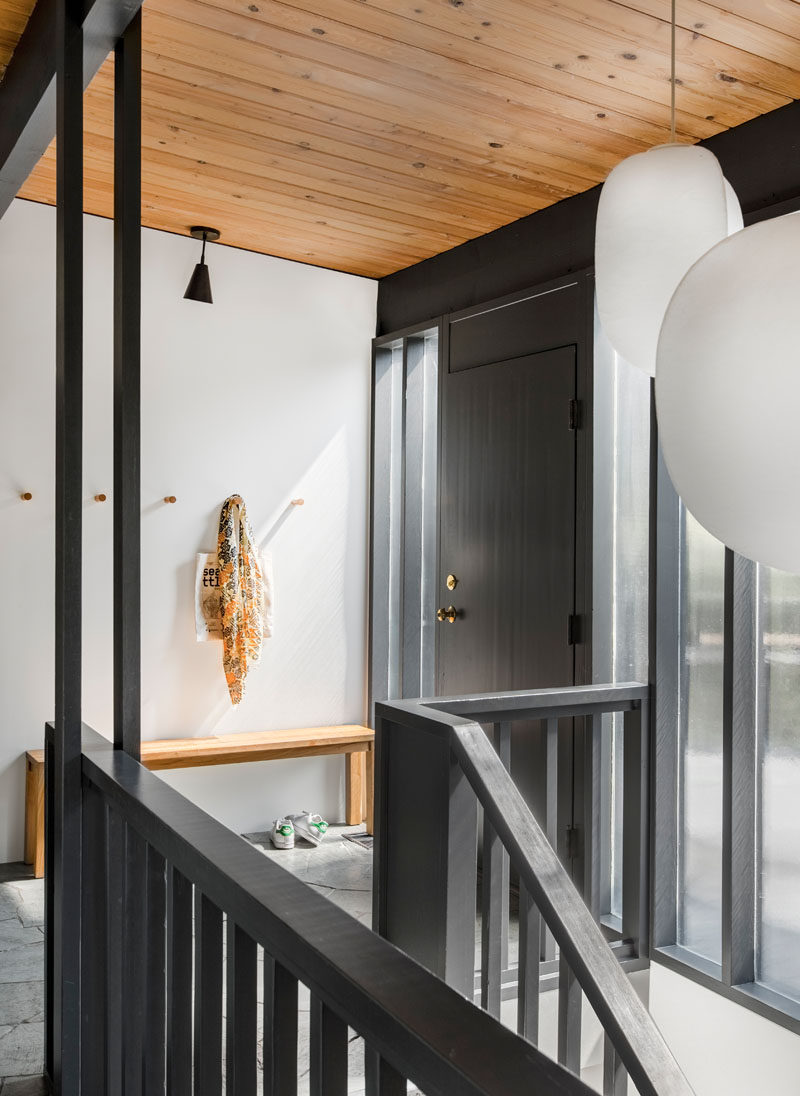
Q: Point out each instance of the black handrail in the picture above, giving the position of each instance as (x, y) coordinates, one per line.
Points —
(572, 701)
(628, 1025)
(423, 1028)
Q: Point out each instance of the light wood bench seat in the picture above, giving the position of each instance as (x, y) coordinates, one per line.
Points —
(355, 742)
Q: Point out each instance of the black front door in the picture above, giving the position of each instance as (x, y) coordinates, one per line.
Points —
(507, 533)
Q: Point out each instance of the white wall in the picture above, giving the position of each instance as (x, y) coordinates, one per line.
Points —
(724, 1049)
(265, 393)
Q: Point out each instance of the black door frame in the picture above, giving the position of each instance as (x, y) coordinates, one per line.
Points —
(574, 753)
(583, 341)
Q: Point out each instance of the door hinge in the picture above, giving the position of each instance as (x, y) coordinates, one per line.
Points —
(574, 414)
(573, 629)
(572, 849)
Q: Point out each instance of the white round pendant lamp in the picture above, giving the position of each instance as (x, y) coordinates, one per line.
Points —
(728, 391)
(659, 212)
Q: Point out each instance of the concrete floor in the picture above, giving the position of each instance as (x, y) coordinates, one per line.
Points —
(340, 870)
(21, 982)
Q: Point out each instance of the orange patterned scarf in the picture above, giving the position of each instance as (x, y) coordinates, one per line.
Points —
(241, 595)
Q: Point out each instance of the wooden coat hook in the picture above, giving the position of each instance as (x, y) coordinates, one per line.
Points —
(170, 498)
(298, 502)
(99, 498)
(26, 496)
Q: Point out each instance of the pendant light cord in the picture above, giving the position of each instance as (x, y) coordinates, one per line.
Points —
(203, 252)
(672, 80)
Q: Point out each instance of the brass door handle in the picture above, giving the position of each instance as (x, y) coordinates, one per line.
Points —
(449, 614)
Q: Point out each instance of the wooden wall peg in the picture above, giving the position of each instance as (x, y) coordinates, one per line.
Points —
(99, 498)
(170, 498)
(298, 502)
(26, 496)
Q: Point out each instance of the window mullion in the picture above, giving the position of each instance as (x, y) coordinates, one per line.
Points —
(739, 772)
(666, 676)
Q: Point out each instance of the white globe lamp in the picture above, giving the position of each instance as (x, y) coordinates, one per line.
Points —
(659, 212)
(728, 391)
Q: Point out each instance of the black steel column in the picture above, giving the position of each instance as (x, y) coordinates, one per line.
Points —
(127, 357)
(65, 862)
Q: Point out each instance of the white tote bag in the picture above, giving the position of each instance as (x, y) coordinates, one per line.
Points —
(207, 611)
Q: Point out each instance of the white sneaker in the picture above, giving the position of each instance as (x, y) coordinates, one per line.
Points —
(282, 833)
(311, 827)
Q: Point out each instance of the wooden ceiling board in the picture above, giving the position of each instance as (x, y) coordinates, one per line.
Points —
(544, 36)
(459, 152)
(473, 194)
(450, 134)
(389, 87)
(366, 135)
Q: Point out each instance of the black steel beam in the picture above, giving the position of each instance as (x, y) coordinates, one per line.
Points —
(28, 89)
(127, 398)
(65, 863)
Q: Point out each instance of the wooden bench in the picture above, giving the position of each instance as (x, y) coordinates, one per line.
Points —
(355, 742)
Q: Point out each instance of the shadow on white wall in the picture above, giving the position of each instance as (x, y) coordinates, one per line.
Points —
(266, 394)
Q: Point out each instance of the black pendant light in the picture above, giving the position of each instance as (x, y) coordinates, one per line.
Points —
(199, 287)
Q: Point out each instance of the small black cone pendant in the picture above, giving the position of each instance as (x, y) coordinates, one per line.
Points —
(199, 287)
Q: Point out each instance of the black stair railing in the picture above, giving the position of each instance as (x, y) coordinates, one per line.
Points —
(177, 915)
(434, 764)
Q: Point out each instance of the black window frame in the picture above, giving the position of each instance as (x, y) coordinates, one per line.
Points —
(743, 706)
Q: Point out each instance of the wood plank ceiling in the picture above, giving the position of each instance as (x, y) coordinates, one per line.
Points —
(365, 135)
